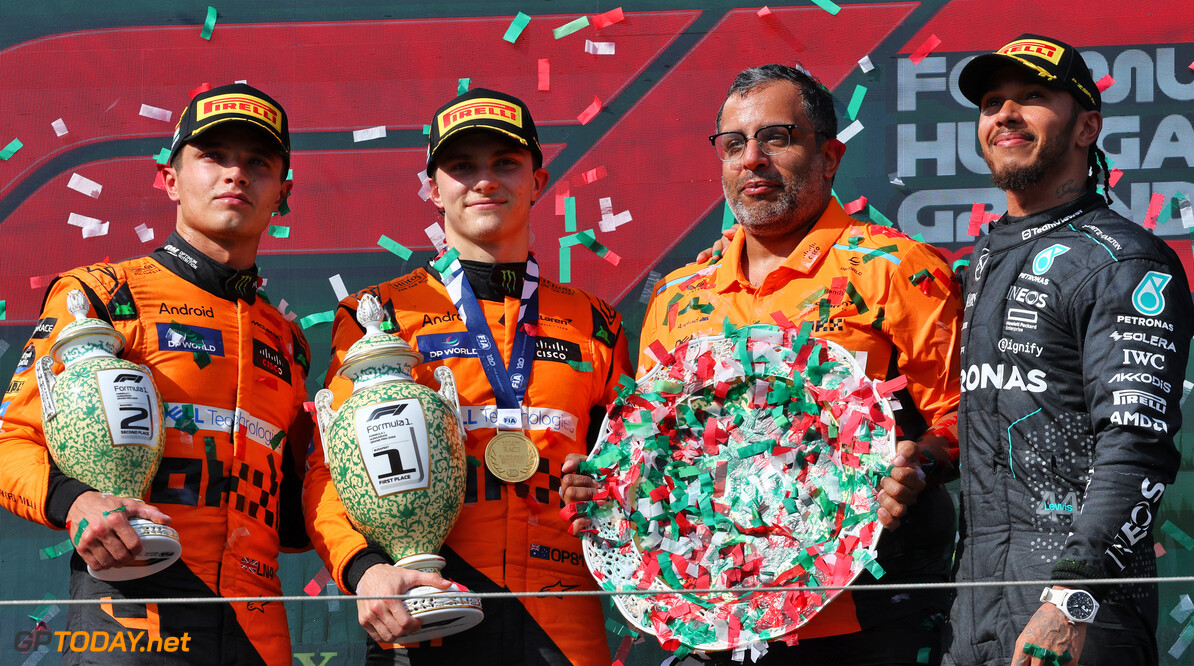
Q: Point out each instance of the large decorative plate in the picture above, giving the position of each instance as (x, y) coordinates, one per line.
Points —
(743, 461)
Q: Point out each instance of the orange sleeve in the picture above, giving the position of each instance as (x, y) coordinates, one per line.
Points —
(926, 330)
(332, 534)
(25, 462)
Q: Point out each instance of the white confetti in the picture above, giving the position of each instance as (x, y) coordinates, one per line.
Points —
(85, 185)
(1187, 211)
(77, 220)
(848, 133)
(3, 348)
(290, 316)
(424, 184)
(864, 63)
(369, 134)
(156, 113)
(338, 287)
(1187, 385)
(144, 232)
(649, 286)
(93, 230)
(607, 206)
(1183, 608)
(895, 179)
(436, 234)
(599, 48)
(610, 222)
(59, 127)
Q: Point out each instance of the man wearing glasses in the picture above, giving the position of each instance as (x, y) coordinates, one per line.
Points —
(798, 257)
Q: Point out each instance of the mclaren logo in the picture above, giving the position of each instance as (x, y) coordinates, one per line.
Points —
(382, 412)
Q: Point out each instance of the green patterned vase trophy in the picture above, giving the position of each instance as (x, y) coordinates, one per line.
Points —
(395, 451)
(103, 425)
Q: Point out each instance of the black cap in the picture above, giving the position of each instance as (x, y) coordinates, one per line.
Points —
(235, 102)
(483, 109)
(1057, 64)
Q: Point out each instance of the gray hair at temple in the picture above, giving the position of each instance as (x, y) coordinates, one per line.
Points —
(817, 101)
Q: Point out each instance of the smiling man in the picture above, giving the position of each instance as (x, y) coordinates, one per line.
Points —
(798, 257)
(1074, 348)
(231, 371)
(561, 353)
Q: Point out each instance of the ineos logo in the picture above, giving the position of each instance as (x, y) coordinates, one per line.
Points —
(381, 412)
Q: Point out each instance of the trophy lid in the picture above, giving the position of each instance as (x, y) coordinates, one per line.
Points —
(376, 344)
(84, 329)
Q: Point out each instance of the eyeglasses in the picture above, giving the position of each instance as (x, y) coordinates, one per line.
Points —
(772, 140)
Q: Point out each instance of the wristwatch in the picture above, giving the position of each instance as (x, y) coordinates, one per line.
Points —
(1075, 605)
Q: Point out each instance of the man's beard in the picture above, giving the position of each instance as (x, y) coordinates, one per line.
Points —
(1017, 177)
(768, 218)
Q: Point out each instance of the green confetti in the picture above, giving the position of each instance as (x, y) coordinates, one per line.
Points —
(828, 6)
(516, 27)
(923, 655)
(284, 207)
(42, 611)
(79, 531)
(473, 461)
(441, 265)
(394, 246)
(570, 27)
(855, 102)
(462, 85)
(570, 214)
(209, 25)
(877, 217)
(317, 318)
(163, 157)
(12, 147)
(1178, 535)
(3, 310)
(56, 551)
(581, 366)
(290, 174)
(565, 265)
(279, 231)
(426, 130)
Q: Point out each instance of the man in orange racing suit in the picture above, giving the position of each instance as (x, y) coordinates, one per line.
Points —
(486, 171)
(799, 258)
(231, 373)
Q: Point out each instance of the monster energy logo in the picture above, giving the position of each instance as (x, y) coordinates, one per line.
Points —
(508, 279)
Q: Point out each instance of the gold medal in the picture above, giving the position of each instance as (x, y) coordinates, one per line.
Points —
(511, 456)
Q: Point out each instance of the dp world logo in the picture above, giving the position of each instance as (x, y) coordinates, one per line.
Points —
(1044, 259)
(1149, 297)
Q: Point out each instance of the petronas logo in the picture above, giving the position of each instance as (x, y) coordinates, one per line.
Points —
(1044, 259)
(1149, 297)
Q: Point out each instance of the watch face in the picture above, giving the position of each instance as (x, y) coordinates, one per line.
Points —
(1080, 605)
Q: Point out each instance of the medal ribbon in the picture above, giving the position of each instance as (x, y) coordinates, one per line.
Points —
(509, 385)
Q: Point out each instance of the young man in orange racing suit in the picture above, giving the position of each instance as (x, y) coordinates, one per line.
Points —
(798, 257)
(231, 373)
(486, 170)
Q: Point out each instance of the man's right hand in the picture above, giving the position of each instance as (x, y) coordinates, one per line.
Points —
(576, 487)
(107, 540)
(387, 620)
(718, 247)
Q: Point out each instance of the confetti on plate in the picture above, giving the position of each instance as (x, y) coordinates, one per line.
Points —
(745, 460)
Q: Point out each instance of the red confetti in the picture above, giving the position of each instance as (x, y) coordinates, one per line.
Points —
(203, 87)
(1104, 83)
(608, 18)
(545, 78)
(1114, 177)
(159, 182)
(318, 583)
(1154, 210)
(855, 206)
(783, 321)
(40, 281)
(560, 196)
(591, 112)
(766, 11)
(309, 407)
(590, 176)
(924, 49)
(890, 386)
(977, 215)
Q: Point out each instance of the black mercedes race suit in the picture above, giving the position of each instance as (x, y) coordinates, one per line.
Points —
(1074, 348)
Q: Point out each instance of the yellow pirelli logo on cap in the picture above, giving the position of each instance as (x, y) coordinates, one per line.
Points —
(243, 104)
(482, 108)
(1034, 47)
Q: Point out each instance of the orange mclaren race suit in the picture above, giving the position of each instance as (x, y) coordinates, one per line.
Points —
(509, 537)
(231, 373)
(894, 303)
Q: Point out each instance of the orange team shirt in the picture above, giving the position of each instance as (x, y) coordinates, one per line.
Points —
(890, 300)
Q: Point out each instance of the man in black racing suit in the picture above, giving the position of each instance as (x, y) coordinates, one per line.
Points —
(1074, 347)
